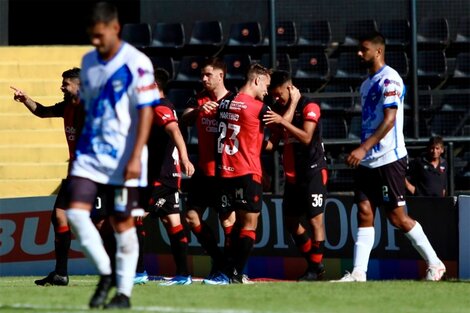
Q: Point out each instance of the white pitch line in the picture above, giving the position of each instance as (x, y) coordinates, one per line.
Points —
(82, 309)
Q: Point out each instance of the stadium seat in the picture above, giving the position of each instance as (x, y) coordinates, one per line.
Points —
(458, 101)
(433, 32)
(398, 60)
(286, 34)
(189, 72)
(312, 70)
(432, 67)
(165, 62)
(179, 97)
(334, 128)
(396, 33)
(137, 34)
(245, 34)
(355, 29)
(168, 35)
(206, 33)
(283, 61)
(349, 69)
(341, 102)
(446, 124)
(314, 35)
(237, 65)
(461, 74)
(355, 127)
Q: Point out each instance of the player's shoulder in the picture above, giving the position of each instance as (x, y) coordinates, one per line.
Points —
(134, 57)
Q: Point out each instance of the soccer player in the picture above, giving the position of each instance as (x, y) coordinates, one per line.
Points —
(381, 161)
(73, 113)
(305, 170)
(239, 145)
(118, 90)
(168, 159)
(203, 186)
(427, 174)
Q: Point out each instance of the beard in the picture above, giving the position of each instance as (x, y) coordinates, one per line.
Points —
(366, 64)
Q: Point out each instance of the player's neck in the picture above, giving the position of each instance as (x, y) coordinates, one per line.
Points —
(219, 93)
(376, 67)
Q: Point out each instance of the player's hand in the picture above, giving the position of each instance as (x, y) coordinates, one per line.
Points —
(355, 157)
(294, 94)
(209, 106)
(133, 169)
(272, 117)
(187, 167)
(19, 96)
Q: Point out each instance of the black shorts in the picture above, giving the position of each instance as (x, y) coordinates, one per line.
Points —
(241, 193)
(383, 186)
(203, 191)
(306, 198)
(113, 200)
(163, 201)
(62, 202)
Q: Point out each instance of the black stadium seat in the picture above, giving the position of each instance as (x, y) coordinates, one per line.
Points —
(314, 35)
(168, 35)
(137, 34)
(432, 67)
(165, 62)
(355, 29)
(283, 61)
(433, 32)
(286, 34)
(244, 34)
(237, 65)
(396, 33)
(312, 70)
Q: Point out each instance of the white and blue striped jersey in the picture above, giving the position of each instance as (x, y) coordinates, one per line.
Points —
(383, 90)
(113, 92)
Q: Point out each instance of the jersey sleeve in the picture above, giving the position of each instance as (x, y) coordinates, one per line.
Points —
(311, 112)
(392, 90)
(146, 90)
(164, 115)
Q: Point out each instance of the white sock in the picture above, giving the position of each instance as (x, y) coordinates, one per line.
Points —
(127, 254)
(420, 242)
(363, 247)
(89, 239)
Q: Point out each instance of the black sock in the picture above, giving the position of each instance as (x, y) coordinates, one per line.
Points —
(179, 249)
(62, 247)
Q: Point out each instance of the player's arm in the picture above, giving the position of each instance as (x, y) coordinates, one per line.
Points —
(356, 156)
(190, 114)
(410, 187)
(134, 166)
(172, 129)
(35, 107)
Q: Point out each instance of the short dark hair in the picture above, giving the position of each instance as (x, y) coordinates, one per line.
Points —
(374, 37)
(161, 78)
(216, 62)
(72, 73)
(279, 78)
(257, 69)
(435, 140)
(103, 12)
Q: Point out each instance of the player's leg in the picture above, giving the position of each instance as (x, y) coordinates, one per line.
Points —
(126, 199)
(62, 240)
(83, 193)
(394, 184)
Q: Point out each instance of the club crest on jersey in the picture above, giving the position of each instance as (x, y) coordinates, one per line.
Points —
(142, 71)
(117, 85)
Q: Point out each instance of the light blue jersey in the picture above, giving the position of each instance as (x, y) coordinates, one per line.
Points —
(113, 92)
(383, 90)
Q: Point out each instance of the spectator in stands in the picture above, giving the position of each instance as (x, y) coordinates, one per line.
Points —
(168, 159)
(203, 185)
(381, 162)
(71, 110)
(305, 169)
(427, 174)
(118, 91)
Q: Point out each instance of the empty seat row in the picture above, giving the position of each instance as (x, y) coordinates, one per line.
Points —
(308, 33)
(311, 71)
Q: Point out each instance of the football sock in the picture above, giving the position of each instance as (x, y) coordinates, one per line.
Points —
(126, 260)
(139, 226)
(316, 254)
(363, 247)
(206, 238)
(420, 242)
(109, 241)
(303, 243)
(245, 246)
(63, 238)
(179, 248)
(90, 239)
